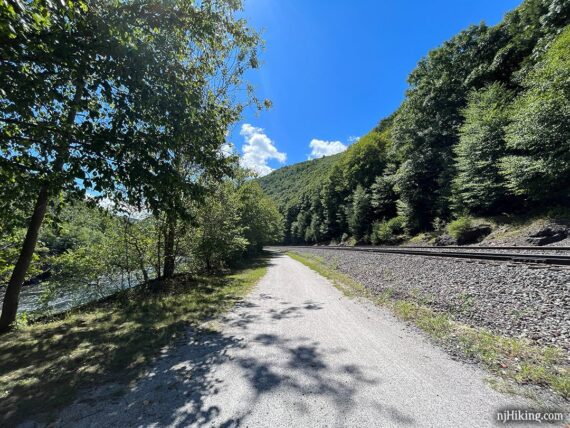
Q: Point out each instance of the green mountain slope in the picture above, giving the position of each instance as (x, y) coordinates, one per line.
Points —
(287, 185)
(483, 131)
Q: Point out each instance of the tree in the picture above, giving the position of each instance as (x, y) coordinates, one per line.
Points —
(333, 195)
(300, 225)
(103, 97)
(219, 235)
(87, 249)
(359, 215)
(383, 197)
(479, 186)
(363, 161)
(417, 184)
(539, 132)
(261, 221)
(425, 129)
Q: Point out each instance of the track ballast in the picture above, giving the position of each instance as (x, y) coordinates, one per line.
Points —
(476, 253)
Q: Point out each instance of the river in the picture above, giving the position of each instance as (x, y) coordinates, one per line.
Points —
(68, 298)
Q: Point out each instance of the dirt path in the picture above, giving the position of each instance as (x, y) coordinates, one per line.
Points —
(299, 353)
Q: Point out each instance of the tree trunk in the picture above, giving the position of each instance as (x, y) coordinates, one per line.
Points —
(11, 298)
(158, 248)
(144, 273)
(127, 258)
(142, 266)
(140, 255)
(12, 295)
(169, 241)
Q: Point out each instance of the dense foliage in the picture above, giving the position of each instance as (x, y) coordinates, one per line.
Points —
(478, 183)
(125, 104)
(86, 250)
(483, 130)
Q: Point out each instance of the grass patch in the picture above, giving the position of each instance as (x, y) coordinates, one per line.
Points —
(436, 325)
(43, 364)
(509, 358)
(421, 239)
(517, 359)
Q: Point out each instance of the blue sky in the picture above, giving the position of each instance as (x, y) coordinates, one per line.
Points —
(334, 68)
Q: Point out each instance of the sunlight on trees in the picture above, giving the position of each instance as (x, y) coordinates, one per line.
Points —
(127, 101)
(483, 130)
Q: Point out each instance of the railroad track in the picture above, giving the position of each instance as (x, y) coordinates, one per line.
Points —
(478, 248)
(474, 253)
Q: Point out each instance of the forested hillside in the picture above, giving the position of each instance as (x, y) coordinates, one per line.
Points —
(483, 130)
(288, 185)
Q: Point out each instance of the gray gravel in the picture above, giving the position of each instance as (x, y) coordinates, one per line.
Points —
(511, 299)
(297, 353)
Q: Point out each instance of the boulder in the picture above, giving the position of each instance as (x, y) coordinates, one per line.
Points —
(549, 234)
(444, 240)
(474, 234)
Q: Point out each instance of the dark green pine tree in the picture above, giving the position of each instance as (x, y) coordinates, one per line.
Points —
(479, 186)
(383, 197)
(359, 215)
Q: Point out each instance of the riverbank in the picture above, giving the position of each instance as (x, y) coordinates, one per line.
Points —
(38, 300)
(42, 365)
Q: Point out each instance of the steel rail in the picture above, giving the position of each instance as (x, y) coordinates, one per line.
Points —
(509, 257)
(464, 247)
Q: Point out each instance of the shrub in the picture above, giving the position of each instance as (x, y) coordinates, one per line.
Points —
(347, 240)
(350, 242)
(387, 231)
(438, 225)
(458, 228)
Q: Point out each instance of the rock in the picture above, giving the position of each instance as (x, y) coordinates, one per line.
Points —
(549, 234)
(444, 240)
(475, 234)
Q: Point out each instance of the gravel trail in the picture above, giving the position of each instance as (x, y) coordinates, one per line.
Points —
(298, 353)
(508, 298)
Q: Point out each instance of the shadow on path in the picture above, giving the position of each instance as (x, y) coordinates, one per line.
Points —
(184, 382)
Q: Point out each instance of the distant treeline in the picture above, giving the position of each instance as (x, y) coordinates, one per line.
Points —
(484, 129)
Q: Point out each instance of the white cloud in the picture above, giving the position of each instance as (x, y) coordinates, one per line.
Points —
(227, 150)
(123, 209)
(322, 148)
(353, 139)
(258, 150)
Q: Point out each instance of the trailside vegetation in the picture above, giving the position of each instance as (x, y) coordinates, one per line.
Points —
(483, 130)
(123, 105)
